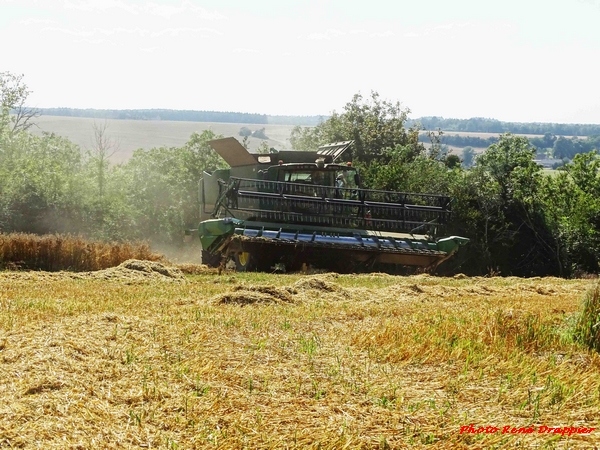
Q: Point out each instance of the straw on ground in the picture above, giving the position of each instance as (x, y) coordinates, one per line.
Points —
(290, 361)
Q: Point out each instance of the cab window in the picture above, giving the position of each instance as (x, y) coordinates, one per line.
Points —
(298, 177)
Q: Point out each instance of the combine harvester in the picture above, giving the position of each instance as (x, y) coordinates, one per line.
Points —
(288, 210)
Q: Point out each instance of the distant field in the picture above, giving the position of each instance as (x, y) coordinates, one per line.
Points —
(133, 134)
(489, 135)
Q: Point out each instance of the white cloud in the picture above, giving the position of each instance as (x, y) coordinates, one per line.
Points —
(151, 49)
(335, 32)
(143, 33)
(245, 50)
(151, 8)
(383, 34)
(99, 5)
(317, 37)
(95, 42)
(180, 31)
(326, 35)
(79, 33)
(33, 21)
(338, 53)
(185, 7)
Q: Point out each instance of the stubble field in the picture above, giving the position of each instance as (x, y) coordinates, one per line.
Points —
(142, 356)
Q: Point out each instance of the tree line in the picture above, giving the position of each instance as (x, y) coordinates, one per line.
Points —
(520, 221)
(473, 125)
(183, 115)
(482, 125)
(457, 140)
(549, 145)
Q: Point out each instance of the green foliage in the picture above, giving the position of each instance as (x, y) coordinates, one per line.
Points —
(47, 185)
(14, 114)
(510, 165)
(41, 183)
(587, 329)
(464, 141)
(374, 124)
(498, 204)
(468, 155)
(572, 204)
(519, 221)
(482, 125)
(306, 138)
(260, 134)
(452, 161)
(263, 148)
(163, 189)
(401, 170)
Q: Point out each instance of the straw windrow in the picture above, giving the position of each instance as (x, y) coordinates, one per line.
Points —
(366, 362)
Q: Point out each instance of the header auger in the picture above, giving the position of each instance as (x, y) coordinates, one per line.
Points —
(287, 210)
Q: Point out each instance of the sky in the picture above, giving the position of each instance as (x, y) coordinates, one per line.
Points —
(511, 60)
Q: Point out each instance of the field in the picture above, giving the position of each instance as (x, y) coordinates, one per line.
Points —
(143, 356)
(129, 135)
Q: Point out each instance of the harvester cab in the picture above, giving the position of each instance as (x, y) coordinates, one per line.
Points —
(288, 209)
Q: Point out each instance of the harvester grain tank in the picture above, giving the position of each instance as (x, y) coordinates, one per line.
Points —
(293, 209)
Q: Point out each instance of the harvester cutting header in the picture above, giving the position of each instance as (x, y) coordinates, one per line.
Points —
(288, 209)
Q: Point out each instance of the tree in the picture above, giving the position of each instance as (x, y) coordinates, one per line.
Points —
(103, 148)
(163, 189)
(373, 124)
(548, 140)
(260, 134)
(467, 156)
(498, 204)
(15, 115)
(41, 184)
(572, 204)
(245, 131)
(452, 161)
(563, 148)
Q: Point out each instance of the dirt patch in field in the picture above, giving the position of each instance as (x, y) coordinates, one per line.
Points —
(322, 283)
(245, 295)
(306, 289)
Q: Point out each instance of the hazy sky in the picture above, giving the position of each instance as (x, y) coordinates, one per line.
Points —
(513, 60)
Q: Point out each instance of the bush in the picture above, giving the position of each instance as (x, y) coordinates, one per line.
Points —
(260, 134)
(587, 330)
(245, 131)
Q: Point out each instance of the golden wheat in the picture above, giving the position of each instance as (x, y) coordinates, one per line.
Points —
(67, 252)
